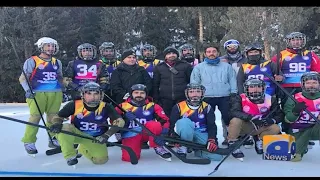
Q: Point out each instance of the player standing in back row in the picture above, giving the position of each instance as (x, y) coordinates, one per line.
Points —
(44, 72)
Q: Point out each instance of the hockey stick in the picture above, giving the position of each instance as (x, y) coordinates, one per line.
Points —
(57, 150)
(190, 144)
(185, 160)
(29, 85)
(133, 157)
(243, 140)
(291, 97)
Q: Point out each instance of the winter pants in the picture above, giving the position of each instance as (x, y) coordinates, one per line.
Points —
(185, 129)
(96, 152)
(238, 127)
(303, 138)
(223, 104)
(49, 103)
(136, 141)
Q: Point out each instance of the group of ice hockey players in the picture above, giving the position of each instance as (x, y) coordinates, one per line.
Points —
(174, 97)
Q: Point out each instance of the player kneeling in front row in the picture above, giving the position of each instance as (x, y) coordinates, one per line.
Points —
(194, 120)
(249, 111)
(86, 116)
(302, 126)
(140, 108)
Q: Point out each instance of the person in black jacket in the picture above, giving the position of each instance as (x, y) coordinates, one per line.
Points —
(170, 79)
(249, 111)
(127, 74)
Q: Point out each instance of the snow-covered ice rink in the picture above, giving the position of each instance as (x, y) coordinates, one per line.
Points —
(14, 161)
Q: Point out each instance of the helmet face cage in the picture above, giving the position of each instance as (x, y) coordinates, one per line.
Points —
(108, 46)
(46, 40)
(195, 87)
(310, 76)
(254, 46)
(187, 55)
(91, 87)
(152, 49)
(255, 83)
(86, 47)
(296, 36)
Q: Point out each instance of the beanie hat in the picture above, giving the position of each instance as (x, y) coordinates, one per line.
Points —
(127, 53)
(169, 50)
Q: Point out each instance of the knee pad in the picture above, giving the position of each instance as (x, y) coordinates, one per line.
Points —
(100, 160)
(50, 118)
(67, 127)
(35, 119)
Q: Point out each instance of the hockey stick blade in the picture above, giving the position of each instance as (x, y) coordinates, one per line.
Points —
(133, 157)
(188, 161)
(57, 150)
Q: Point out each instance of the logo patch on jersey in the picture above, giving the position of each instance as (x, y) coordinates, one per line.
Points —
(146, 113)
(162, 112)
(263, 69)
(201, 116)
(41, 66)
(55, 67)
(246, 108)
(80, 116)
(287, 58)
(263, 109)
(98, 117)
(305, 58)
(318, 106)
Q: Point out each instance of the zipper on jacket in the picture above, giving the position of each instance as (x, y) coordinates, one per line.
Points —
(172, 86)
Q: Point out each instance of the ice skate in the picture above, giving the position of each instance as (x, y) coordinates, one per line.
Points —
(54, 143)
(311, 144)
(182, 151)
(163, 153)
(72, 162)
(31, 149)
(258, 145)
(238, 154)
(248, 144)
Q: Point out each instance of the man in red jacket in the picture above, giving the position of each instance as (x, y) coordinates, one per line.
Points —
(139, 107)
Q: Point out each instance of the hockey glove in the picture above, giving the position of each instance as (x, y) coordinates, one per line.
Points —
(268, 121)
(298, 107)
(101, 139)
(56, 128)
(29, 94)
(212, 145)
(256, 122)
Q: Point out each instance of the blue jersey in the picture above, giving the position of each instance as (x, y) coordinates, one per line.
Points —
(88, 121)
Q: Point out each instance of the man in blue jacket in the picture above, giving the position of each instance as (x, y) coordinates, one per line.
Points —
(218, 78)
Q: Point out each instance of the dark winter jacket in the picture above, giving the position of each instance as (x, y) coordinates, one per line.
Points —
(167, 85)
(237, 112)
(124, 77)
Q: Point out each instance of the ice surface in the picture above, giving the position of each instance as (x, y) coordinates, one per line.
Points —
(15, 162)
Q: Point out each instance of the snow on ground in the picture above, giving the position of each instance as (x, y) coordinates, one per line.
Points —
(15, 162)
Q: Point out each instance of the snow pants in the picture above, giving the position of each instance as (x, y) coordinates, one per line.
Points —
(96, 152)
(135, 140)
(49, 103)
(185, 129)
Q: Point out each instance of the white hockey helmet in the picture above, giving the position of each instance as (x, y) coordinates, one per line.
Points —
(46, 40)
